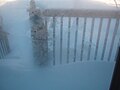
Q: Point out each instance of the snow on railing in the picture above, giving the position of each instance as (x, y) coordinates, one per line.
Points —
(81, 13)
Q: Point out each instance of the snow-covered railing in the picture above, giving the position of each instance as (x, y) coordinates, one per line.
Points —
(81, 13)
(80, 34)
(85, 14)
(93, 14)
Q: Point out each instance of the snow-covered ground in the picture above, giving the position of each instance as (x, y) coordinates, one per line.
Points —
(18, 70)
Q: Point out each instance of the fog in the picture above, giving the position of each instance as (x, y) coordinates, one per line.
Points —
(19, 70)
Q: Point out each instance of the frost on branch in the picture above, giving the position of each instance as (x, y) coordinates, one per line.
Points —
(39, 34)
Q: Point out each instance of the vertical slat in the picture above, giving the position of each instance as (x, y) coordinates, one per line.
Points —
(2, 47)
(61, 39)
(7, 44)
(106, 38)
(113, 39)
(46, 25)
(68, 42)
(91, 37)
(54, 23)
(82, 47)
(98, 38)
(1, 51)
(5, 47)
(76, 35)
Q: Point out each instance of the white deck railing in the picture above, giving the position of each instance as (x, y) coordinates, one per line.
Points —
(109, 37)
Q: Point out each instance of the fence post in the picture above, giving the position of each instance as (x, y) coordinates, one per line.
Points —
(39, 34)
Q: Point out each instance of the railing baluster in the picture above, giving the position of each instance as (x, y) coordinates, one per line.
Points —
(91, 37)
(106, 38)
(4, 47)
(7, 43)
(68, 43)
(46, 25)
(54, 23)
(113, 38)
(82, 47)
(61, 39)
(4, 43)
(76, 35)
(98, 38)
(1, 50)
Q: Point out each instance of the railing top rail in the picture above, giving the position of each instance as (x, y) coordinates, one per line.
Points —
(81, 13)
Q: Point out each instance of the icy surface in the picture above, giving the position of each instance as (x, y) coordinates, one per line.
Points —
(18, 70)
